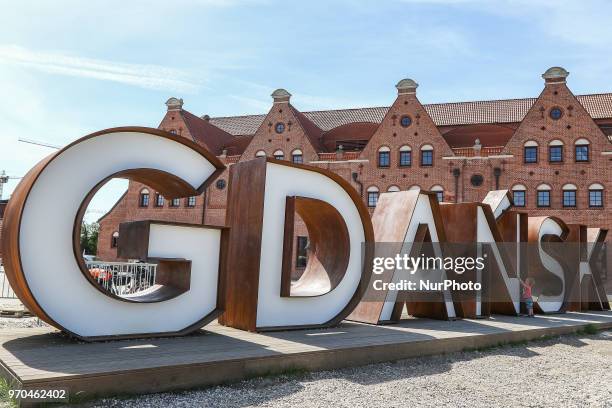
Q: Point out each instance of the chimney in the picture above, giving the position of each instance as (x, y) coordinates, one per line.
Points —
(174, 104)
(206, 118)
(555, 75)
(281, 96)
(406, 87)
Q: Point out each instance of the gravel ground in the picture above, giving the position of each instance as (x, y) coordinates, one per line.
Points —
(558, 372)
(12, 322)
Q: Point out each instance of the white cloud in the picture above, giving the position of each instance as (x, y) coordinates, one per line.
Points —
(141, 75)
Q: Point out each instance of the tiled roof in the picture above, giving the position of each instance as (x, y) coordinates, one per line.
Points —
(203, 132)
(599, 106)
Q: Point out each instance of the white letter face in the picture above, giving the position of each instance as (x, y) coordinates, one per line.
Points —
(272, 309)
(551, 303)
(49, 265)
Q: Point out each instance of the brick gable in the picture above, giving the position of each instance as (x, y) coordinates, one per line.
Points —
(390, 133)
(299, 133)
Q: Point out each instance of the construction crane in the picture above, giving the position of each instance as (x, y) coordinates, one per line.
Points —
(39, 143)
(4, 178)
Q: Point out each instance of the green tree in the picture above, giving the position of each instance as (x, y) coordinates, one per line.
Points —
(89, 237)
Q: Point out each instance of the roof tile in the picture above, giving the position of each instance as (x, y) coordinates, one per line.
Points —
(443, 114)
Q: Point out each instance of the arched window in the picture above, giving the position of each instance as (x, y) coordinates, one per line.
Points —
(115, 239)
(596, 195)
(372, 196)
(279, 155)
(530, 152)
(543, 195)
(555, 151)
(415, 187)
(260, 153)
(439, 190)
(297, 156)
(384, 157)
(582, 150)
(427, 155)
(144, 198)
(393, 189)
(405, 156)
(519, 195)
(569, 195)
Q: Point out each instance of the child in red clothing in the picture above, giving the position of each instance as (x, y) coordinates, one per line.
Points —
(527, 296)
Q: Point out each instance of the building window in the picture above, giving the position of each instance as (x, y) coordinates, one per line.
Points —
(439, 190)
(372, 197)
(393, 189)
(279, 155)
(301, 258)
(569, 197)
(530, 152)
(260, 153)
(115, 240)
(556, 113)
(297, 157)
(555, 154)
(518, 196)
(543, 198)
(173, 131)
(175, 202)
(405, 121)
(596, 196)
(582, 153)
(280, 127)
(427, 155)
(405, 156)
(159, 200)
(144, 198)
(384, 157)
(582, 150)
(476, 180)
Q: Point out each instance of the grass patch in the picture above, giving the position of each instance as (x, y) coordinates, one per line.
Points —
(588, 329)
(4, 393)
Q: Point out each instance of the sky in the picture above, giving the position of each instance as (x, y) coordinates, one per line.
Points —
(69, 68)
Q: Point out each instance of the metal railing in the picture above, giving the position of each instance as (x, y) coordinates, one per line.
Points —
(6, 292)
(484, 151)
(119, 278)
(123, 278)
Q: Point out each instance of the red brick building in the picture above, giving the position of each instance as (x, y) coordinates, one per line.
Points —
(554, 152)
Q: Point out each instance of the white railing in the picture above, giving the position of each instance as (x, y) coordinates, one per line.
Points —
(6, 292)
(119, 278)
(123, 278)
